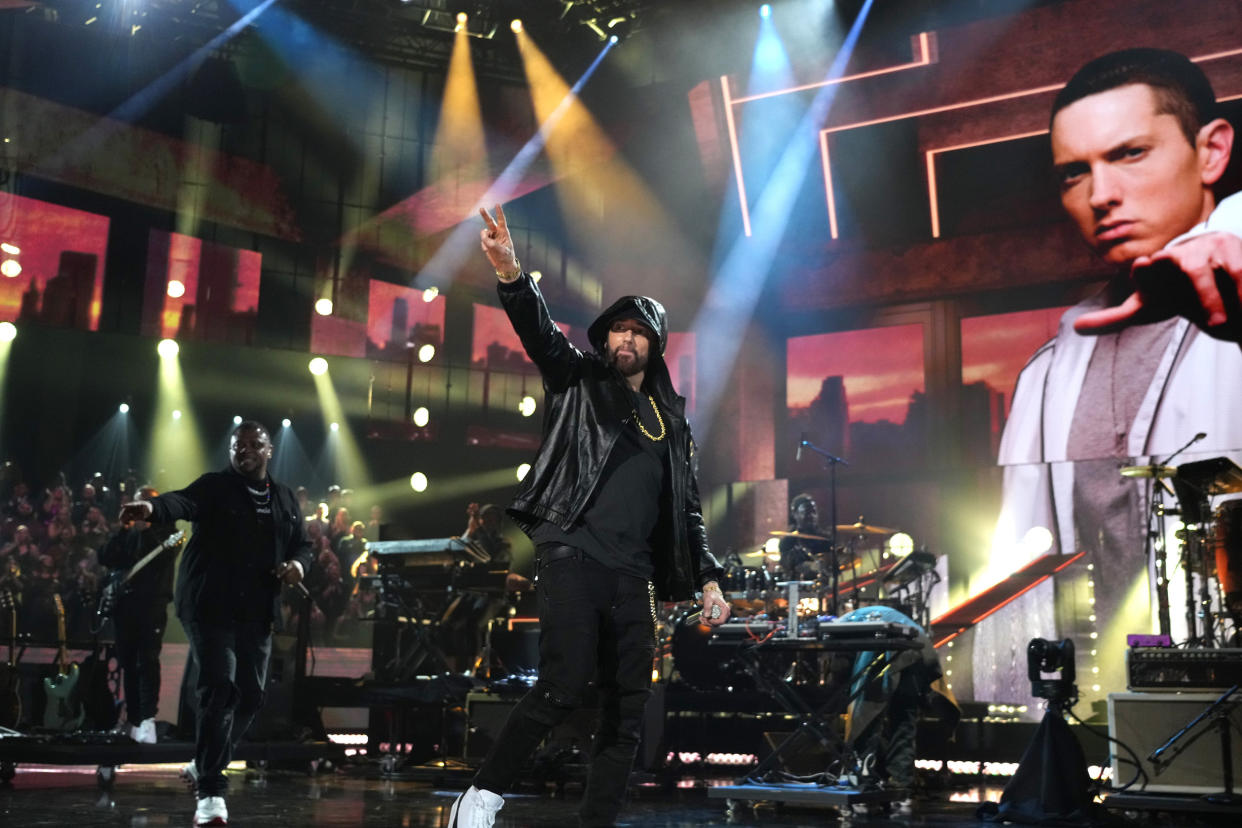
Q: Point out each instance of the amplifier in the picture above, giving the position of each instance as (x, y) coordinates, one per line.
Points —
(1193, 668)
(1146, 721)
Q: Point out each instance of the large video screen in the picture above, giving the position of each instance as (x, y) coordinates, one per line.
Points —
(858, 395)
(52, 262)
(197, 290)
(400, 318)
(994, 349)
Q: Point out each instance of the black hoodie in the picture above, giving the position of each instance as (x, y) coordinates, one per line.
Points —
(587, 404)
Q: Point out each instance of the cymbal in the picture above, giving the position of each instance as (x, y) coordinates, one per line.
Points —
(1158, 472)
(861, 528)
(761, 553)
(778, 533)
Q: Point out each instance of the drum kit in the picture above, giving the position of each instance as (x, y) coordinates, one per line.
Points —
(828, 580)
(1212, 542)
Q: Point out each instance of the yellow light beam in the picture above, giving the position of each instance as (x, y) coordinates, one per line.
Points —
(174, 452)
(459, 152)
(352, 466)
(611, 213)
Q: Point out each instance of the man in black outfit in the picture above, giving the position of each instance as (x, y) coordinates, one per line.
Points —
(800, 557)
(248, 539)
(141, 616)
(612, 505)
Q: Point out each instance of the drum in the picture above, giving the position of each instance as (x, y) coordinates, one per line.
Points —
(1227, 541)
(700, 665)
(748, 587)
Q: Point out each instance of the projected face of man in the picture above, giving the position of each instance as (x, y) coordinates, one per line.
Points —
(629, 346)
(250, 451)
(1129, 177)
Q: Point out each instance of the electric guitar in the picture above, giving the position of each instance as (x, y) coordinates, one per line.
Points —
(10, 681)
(119, 579)
(63, 712)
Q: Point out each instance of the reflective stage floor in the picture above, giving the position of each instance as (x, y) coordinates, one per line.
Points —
(153, 795)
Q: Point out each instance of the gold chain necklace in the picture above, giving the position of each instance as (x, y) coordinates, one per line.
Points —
(659, 419)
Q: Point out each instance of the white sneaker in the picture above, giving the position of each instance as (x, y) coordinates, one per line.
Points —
(189, 775)
(475, 809)
(144, 733)
(211, 811)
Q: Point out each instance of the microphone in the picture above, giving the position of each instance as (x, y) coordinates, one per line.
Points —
(801, 443)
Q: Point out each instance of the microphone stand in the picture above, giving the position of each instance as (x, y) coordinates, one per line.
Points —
(831, 461)
(1158, 552)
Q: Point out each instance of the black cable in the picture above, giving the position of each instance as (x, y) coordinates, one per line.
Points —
(1138, 766)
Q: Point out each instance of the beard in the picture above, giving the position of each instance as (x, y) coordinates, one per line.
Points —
(628, 368)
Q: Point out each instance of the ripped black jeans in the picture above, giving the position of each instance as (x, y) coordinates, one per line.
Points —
(598, 624)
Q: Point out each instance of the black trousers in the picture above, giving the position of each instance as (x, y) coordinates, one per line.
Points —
(140, 622)
(232, 669)
(594, 623)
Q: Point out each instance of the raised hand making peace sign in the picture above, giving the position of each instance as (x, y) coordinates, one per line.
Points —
(498, 245)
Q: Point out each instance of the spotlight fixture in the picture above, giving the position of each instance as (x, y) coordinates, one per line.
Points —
(901, 544)
(421, 416)
(176, 289)
(462, 19)
(527, 405)
(286, 422)
(176, 414)
(11, 249)
(323, 307)
(765, 10)
(318, 366)
(418, 482)
(123, 408)
(11, 268)
(516, 26)
(168, 348)
(431, 293)
(8, 331)
(522, 471)
(335, 426)
(426, 352)
(536, 275)
(237, 420)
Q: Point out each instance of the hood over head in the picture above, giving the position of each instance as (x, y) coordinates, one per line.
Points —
(643, 308)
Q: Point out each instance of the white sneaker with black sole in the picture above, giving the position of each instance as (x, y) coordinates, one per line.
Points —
(211, 811)
(475, 809)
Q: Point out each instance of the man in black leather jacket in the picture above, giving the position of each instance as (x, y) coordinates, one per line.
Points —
(248, 539)
(612, 504)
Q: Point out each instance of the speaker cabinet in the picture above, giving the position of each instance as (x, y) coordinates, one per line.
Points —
(1146, 721)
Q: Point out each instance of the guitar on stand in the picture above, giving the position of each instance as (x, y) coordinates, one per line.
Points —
(10, 680)
(63, 712)
(118, 580)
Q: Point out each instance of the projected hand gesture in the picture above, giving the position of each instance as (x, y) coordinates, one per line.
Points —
(1200, 279)
(497, 243)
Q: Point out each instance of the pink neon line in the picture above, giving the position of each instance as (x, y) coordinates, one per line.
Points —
(933, 198)
(737, 155)
(923, 60)
(832, 201)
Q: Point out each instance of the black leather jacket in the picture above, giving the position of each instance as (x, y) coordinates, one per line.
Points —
(224, 534)
(586, 407)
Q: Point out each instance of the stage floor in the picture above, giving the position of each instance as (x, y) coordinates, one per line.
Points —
(154, 796)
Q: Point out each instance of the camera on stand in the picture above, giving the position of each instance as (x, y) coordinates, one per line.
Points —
(1056, 657)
